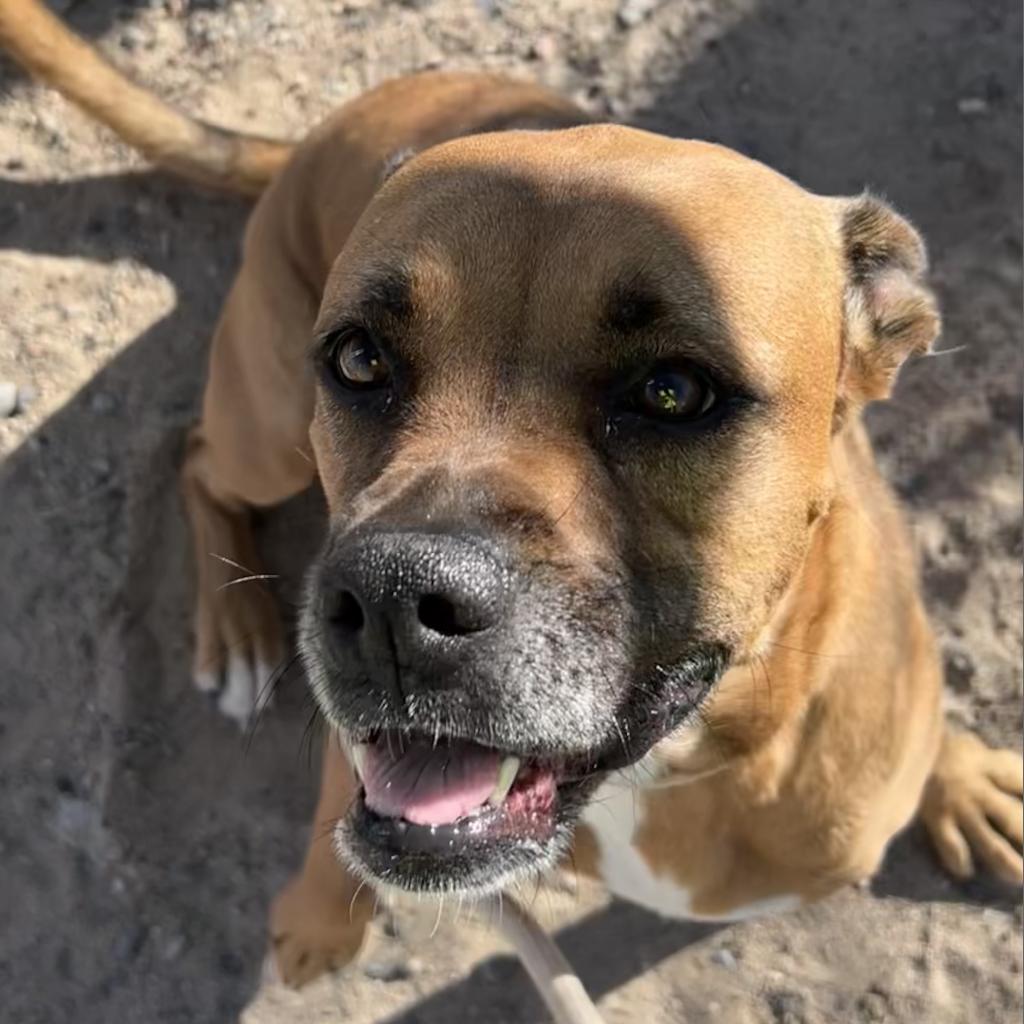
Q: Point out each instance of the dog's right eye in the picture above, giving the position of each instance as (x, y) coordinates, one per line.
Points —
(358, 362)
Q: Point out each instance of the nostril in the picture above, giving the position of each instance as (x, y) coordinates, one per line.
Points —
(440, 615)
(346, 612)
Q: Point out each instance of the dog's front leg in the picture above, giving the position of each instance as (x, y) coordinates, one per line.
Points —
(248, 451)
(319, 919)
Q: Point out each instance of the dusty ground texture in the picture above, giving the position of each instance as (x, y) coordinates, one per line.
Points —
(140, 840)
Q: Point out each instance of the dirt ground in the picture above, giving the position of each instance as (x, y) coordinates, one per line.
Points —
(141, 839)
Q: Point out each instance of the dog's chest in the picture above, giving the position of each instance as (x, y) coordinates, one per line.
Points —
(616, 817)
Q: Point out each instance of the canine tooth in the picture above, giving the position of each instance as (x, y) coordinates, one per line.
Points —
(359, 758)
(506, 776)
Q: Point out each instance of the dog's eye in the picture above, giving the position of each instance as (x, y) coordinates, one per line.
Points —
(359, 362)
(675, 393)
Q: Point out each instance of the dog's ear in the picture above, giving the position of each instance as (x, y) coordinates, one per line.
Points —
(890, 313)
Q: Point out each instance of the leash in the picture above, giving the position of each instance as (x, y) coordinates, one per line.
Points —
(562, 991)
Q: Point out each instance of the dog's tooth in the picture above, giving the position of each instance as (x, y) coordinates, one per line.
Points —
(506, 777)
(359, 758)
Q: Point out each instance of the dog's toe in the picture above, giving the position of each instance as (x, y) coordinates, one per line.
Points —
(314, 931)
(973, 810)
(248, 689)
(206, 681)
(238, 698)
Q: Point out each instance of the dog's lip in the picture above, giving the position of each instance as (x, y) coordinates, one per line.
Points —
(531, 821)
(570, 764)
(481, 846)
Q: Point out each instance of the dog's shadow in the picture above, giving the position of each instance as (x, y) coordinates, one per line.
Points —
(610, 947)
(191, 832)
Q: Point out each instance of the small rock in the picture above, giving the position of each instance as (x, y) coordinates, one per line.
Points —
(724, 958)
(632, 12)
(26, 396)
(960, 669)
(544, 49)
(14, 163)
(172, 947)
(787, 1007)
(873, 1007)
(129, 943)
(8, 399)
(972, 106)
(387, 970)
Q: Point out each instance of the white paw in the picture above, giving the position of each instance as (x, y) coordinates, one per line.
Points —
(245, 689)
(207, 681)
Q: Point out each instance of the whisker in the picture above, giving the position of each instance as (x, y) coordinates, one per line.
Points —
(572, 501)
(355, 896)
(231, 562)
(945, 352)
(264, 695)
(249, 579)
(811, 654)
(440, 911)
(315, 721)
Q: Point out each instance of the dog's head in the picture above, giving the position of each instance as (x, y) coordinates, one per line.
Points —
(577, 396)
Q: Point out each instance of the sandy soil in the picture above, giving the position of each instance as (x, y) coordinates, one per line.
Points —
(140, 838)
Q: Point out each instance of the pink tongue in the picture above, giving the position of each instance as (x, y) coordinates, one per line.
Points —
(428, 785)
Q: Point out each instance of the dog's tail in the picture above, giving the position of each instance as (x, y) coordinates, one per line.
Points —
(224, 159)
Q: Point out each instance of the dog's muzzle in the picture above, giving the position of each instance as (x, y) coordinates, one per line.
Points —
(481, 703)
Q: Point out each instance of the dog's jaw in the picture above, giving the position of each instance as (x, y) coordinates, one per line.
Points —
(476, 857)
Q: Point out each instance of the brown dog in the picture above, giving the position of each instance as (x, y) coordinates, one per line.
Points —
(604, 521)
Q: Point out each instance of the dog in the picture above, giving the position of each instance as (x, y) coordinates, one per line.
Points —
(610, 570)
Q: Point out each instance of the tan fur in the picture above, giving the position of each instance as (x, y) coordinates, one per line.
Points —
(819, 741)
(817, 747)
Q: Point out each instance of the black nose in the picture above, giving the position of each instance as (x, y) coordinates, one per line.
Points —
(411, 606)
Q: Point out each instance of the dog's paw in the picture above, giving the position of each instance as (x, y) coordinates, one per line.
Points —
(239, 652)
(313, 931)
(972, 808)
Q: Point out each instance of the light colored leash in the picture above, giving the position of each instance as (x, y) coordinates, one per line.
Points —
(562, 991)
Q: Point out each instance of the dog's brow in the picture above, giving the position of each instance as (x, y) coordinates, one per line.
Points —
(632, 306)
(389, 293)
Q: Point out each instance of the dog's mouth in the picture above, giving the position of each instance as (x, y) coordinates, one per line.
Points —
(454, 814)
(446, 784)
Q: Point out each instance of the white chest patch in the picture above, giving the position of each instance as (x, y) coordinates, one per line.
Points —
(614, 816)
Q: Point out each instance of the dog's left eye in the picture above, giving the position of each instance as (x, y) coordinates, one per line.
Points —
(678, 394)
(358, 361)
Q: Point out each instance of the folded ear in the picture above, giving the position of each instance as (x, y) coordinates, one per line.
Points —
(890, 313)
